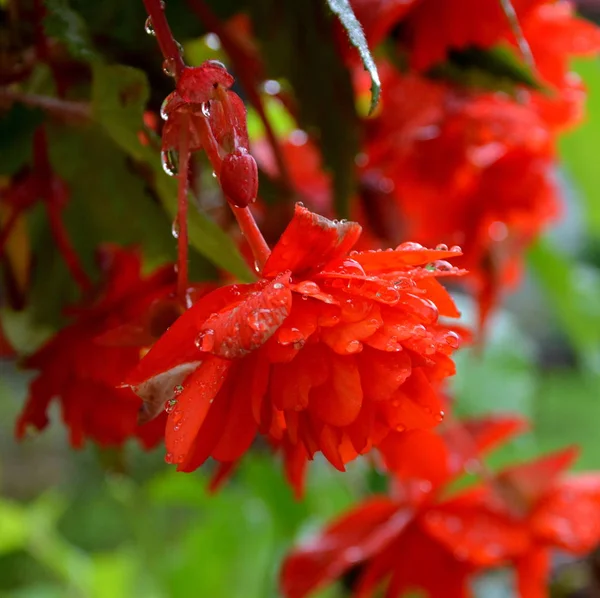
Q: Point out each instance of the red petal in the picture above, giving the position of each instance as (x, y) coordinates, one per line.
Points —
(534, 479)
(197, 84)
(407, 254)
(532, 574)
(193, 404)
(339, 401)
(437, 293)
(177, 345)
(355, 537)
(310, 242)
(491, 431)
(244, 328)
(383, 372)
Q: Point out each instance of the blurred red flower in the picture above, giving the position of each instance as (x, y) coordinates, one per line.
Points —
(82, 364)
(328, 352)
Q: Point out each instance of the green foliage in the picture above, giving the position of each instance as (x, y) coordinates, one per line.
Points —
(344, 12)
(16, 135)
(297, 43)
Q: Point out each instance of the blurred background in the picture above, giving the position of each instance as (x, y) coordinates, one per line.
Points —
(122, 524)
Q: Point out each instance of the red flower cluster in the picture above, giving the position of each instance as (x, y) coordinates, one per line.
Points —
(513, 519)
(328, 353)
(83, 364)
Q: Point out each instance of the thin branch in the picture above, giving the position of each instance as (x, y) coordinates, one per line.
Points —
(515, 25)
(63, 109)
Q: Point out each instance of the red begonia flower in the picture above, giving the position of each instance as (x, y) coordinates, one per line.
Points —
(83, 363)
(533, 509)
(388, 538)
(328, 352)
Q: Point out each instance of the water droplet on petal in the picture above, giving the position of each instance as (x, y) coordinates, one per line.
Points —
(442, 247)
(400, 428)
(354, 347)
(217, 63)
(170, 405)
(452, 339)
(291, 336)
(169, 67)
(149, 27)
(430, 267)
(205, 107)
(278, 285)
(177, 390)
(179, 48)
(456, 249)
(168, 160)
(213, 174)
(205, 341)
(258, 320)
(409, 246)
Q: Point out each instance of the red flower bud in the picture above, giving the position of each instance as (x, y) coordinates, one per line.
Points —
(239, 178)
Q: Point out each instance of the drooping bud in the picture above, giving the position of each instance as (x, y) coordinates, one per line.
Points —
(239, 178)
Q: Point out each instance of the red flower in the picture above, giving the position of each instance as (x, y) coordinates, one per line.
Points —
(84, 362)
(328, 352)
(389, 537)
(536, 511)
(469, 169)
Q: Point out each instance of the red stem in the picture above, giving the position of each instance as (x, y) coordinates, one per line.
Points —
(166, 41)
(61, 238)
(182, 205)
(238, 56)
(43, 172)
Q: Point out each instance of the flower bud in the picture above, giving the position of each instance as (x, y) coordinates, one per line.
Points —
(239, 178)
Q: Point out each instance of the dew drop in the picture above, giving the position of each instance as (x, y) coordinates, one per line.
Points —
(177, 390)
(205, 341)
(430, 267)
(278, 285)
(442, 247)
(175, 228)
(169, 458)
(170, 405)
(163, 109)
(291, 336)
(179, 48)
(213, 41)
(149, 27)
(452, 339)
(354, 347)
(217, 63)
(456, 249)
(168, 160)
(213, 174)
(258, 320)
(205, 107)
(169, 67)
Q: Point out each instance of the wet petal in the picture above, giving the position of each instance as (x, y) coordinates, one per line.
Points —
(310, 242)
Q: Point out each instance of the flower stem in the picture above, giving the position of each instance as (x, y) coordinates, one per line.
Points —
(166, 41)
(250, 230)
(6, 230)
(238, 56)
(182, 206)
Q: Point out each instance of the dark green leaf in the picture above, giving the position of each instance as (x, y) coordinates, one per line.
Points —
(16, 135)
(495, 69)
(119, 95)
(298, 46)
(344, 12)
(63, 23)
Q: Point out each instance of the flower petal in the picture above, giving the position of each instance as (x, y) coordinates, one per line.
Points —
(193, 404)
(310, 242)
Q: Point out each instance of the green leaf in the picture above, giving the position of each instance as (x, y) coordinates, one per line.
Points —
(63, 23)
(13, 527)
(119, 95)
(494, 69)
(572, 290)
(298, 46)
(577, 147)
(345, 14)
(16, 136)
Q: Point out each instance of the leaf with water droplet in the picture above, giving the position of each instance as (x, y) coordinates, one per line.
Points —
(344, 12)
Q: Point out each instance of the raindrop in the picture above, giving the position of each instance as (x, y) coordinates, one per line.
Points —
(258, 320)
(354, 347)
(205, 107)
(272, 87)
(214, 174)
(169, 458)
(430, 267)
(452, 339)
(212, 41)
(205, 341)
(217, 63)
(169, 67)
(291, 336)
(456, 249)
(179, 48)
(169, 162)
(170, 405)
(278, 285)
(308, 288)
(442, 247)
(409, 246)
(177, 390)
(175, 228)
(149, 27)
(163, 109)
